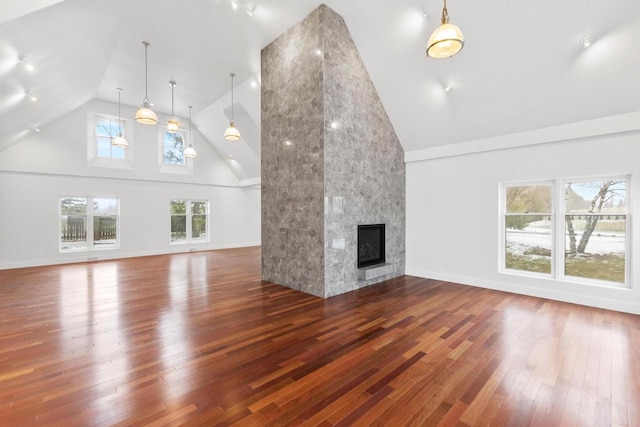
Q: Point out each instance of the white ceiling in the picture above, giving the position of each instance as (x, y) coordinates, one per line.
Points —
(522, 66)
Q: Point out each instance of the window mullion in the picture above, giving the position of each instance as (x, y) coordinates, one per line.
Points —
(559, 231)
(90, 223)
(189, 221)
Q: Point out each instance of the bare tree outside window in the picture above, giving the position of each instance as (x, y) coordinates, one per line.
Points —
(595, 218)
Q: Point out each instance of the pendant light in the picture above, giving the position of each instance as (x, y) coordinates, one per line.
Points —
(145, 114)
(120, 140)
(232, 133)
(172, 124)
(446, 40)
(190, 151)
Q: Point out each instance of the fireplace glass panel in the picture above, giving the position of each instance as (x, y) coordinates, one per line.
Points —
(371, 245)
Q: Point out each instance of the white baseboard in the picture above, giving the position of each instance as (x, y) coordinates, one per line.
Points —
(111, 255)
(622, 304)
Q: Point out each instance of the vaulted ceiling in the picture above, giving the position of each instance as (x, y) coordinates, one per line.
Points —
(523, 65)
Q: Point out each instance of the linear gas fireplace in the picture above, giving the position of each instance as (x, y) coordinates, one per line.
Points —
(370, 245)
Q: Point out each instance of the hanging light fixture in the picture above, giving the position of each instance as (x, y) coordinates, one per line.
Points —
(172, 124)
(120, 140)
(232, 133)
(145, 114)
(446, 40)
(190, 151)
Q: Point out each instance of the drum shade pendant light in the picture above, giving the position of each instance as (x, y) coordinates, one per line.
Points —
(446, 40)
(120, 140)
(190, 151)
(145, 114)
(172, 124)
(232, 133)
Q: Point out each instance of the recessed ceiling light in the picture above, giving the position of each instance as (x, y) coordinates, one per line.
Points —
(36, 129)
(447, 88)
(32, 97)
(334, 125)
(586, 41)
(234, 4)
(250, 9)
(22, 60)
(318, 52)
(287, 142)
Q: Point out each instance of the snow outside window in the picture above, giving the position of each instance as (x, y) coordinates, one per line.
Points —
(586, 240)
(527, 223)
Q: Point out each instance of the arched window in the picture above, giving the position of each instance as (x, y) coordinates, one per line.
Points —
(173, 143)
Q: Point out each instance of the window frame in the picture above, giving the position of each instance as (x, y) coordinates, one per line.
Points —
(89, 228)
(189, 221)
(186, 168)
(562, 234)
(93, 159)
(559, 230)
(502, 247)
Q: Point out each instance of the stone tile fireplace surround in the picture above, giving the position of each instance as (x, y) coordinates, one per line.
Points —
(331, 161)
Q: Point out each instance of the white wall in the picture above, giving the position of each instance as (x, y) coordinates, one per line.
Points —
(38, 170)
(452, 204)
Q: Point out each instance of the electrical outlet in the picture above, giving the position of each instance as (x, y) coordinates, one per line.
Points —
(92, 258)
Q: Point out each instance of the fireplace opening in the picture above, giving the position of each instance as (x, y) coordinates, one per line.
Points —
(370, 245)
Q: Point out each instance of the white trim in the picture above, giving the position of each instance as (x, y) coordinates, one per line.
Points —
(187, 168)
(104, 162)
(588, 129)
(502, 230)
(561, 215)
(251, 182)
(189, 218)
(102, 256)
(621, 303)
(89, 218)
(558, 231)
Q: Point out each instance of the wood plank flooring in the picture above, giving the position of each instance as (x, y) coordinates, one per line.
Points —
(199, 339)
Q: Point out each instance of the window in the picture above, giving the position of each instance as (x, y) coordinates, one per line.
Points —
(585, 240)
(528, 239)
(100, 153)
(173, 148)
(171, 157)
(189, 220)
(106, 129)
(88, 223)
(595, 220)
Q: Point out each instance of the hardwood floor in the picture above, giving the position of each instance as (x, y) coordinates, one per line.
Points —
(198, 339)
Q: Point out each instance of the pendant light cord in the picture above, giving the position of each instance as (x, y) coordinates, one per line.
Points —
(445, 14)
(190, 132)
(173, 84)
(119, 115)
(146, 72)
(232, 76)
